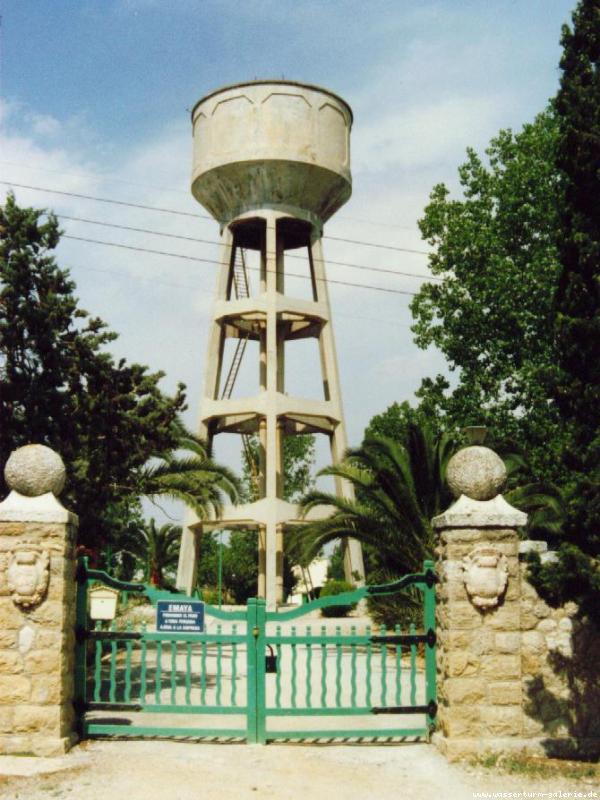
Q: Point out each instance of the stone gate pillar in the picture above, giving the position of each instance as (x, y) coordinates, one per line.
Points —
(37, 607)
(478, 612)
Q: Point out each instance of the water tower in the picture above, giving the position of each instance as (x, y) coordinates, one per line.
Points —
(271, 163)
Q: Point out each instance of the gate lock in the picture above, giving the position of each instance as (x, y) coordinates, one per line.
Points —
(270, 661)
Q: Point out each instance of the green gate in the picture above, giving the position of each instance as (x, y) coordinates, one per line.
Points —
(255, 674)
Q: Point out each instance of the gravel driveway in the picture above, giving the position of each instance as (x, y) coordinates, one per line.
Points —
(169, 770)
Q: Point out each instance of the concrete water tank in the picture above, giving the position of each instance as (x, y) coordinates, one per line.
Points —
(272, 144)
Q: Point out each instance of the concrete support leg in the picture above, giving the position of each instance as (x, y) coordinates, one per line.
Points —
(189, 551)
(262, 455)
(262, 562)
(279, 594)
(354, 568)
(271, 565)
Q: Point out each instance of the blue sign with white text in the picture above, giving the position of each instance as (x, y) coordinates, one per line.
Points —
(177, 616)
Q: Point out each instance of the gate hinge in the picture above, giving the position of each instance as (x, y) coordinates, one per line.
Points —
(79, 706)
(81, 634)
(430, 637)
(431, 578)
(81, 575)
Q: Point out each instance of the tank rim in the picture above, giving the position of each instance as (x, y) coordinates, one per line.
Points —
(276, 83)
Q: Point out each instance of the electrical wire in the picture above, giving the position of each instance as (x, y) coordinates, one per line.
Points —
(215, 242)
(113, 179)
(254, 269)
(106, 200)
(187, 287)
(197, 216)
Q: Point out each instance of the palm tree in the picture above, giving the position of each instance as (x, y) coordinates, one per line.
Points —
(195, 479)
(544, 502)
(398, 487)
(156, 551)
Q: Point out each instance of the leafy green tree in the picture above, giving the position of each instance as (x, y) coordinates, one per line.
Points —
(298, 465)
(335, 568)
(491, 315)
(60, 387)
(208, 564)
(396, 419)
(576, 380)
(239, 564)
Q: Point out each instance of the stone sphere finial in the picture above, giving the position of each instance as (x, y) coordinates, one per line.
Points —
(34, 470)
(476, 472)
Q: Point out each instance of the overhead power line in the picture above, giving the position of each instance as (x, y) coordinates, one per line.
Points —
(215, 242)
(254, 269)
(112, 179)
(187, 287)
(106, 200)
(197, 216)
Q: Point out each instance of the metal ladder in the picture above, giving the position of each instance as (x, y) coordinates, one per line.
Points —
(242, 291)
(241, 287)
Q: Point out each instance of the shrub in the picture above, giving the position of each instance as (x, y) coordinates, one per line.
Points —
(211, 596)
(402, 608)
(333, 587)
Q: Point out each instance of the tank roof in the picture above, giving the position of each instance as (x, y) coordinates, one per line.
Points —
(276, 83)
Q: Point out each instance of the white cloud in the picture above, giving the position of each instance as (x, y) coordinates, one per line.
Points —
(426, 133)
(45, 125)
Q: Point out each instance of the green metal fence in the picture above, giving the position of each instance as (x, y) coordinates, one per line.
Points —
(257, 675)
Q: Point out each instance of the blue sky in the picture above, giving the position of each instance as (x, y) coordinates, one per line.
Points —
(128, 66)
(95, 99)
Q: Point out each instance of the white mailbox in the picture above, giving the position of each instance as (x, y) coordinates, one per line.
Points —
(103, 602)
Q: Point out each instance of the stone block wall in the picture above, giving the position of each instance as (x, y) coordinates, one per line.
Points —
(560, 673)
(479, 661)
(513, 673)
(37, 623)
(37, 647)
(516, 676)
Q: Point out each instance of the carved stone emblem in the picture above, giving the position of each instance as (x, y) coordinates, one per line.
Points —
(485, 576)
(28, 574)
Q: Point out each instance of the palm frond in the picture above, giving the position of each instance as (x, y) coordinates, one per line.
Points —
(195, 478)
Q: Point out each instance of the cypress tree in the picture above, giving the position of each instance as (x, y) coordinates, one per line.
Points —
(575, 382)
